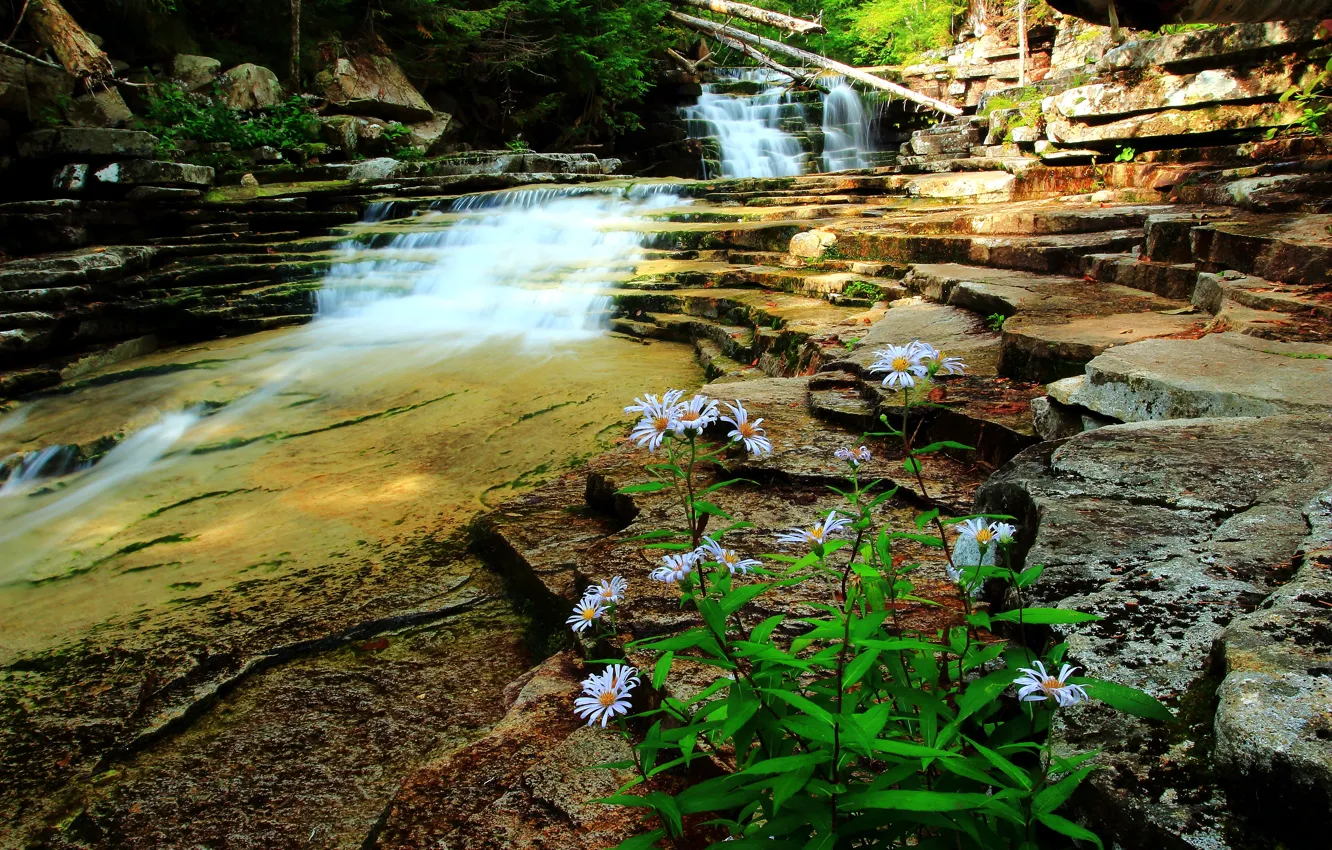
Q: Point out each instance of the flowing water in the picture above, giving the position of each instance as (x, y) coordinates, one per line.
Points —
(458, 357)
(764, 134)
(748, 128)
(847, 129)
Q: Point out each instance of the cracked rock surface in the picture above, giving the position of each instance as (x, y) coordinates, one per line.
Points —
(1191, 539)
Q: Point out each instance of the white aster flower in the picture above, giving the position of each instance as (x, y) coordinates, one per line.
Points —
(1036, 684)
(675, 567)
(978, 530)
(713, 551)
(695, 415)
(587, 610)
(935, 361)
(606, 694)
(818, 533)
(650, 406)
(950, 366)
(750, 433)
(651, 430)
(609, 590)
(957, 577)
(855, 457)
(903, 365)
(1003, 532)
(923, 350)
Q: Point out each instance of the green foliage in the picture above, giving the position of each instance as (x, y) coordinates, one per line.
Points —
(847, 726)
(995, 321)
(863, 289)
(1315, 98)
(517, 144)
(1126, 154)
(890, 32)
(175, 116)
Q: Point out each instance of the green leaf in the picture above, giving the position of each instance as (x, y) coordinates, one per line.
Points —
(788, 784)
(1063, 826)
(665, 806)
(858, 667)
(645, 487)
(1045, 616)
(913, 801)
(911, 465)
(704, 507)
(942, 444)
(642, 842)
(782, 764)
(801, 703)
(926, 518)
(720, 484)
(982, 692)
(742, 596)
(1056, 795)
(1125, 699)
(662, 669)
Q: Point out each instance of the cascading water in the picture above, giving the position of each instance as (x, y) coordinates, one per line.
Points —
(522, 272)
(747, 128)
(529, 265)
(847, 129)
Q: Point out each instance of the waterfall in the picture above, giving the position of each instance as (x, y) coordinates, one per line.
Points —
(529, 265)
(847, 129)
(747, 128)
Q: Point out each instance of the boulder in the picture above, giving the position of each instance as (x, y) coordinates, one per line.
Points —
(1216, 376)
(811, 244)
(341, 131)
(374, 169)
(104, 108)
(138, 172)
(27, 88)
(427, 134)
(195, 73)
(369, 84)
(1181, 536)
(87, 142)
(250, 87)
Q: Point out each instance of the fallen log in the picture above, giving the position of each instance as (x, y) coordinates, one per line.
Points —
(61, 34)
(814, 59)
(766, 61)
(798, 26)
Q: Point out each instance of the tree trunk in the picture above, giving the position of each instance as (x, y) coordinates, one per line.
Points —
(55, 28)
(295, 74)
(802, 78)
(815, 60)
(755, 14)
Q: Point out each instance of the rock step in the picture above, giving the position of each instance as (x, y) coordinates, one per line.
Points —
(1052, 325)
(1057, 254)
(184, 246)
(1261, 308)
(1290, 249)
(819, 283)
(1169, 280)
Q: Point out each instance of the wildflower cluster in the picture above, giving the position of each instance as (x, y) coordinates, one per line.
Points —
(844, 727)
(597, 600)
(668, 416)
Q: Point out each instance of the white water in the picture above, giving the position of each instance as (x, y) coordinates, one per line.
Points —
(847, 129)
(529, 267)
(748, 129)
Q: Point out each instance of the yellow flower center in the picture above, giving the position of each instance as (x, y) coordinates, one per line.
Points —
(815, 533)
(746, 430)
(607, 699)
(1051, 684)
(688, 417)
(901, 364)
(661, 423)
(607, 593)
(589, 613)
(984, 535)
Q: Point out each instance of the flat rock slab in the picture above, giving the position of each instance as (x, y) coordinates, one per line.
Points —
(1172, 532)
(528, 784)
(1218, 375)
(87, 142)
(1047, 348)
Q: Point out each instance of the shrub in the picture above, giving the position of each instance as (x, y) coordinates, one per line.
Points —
(175, 116)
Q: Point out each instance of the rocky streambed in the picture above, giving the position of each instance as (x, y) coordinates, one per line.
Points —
(289, 631)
